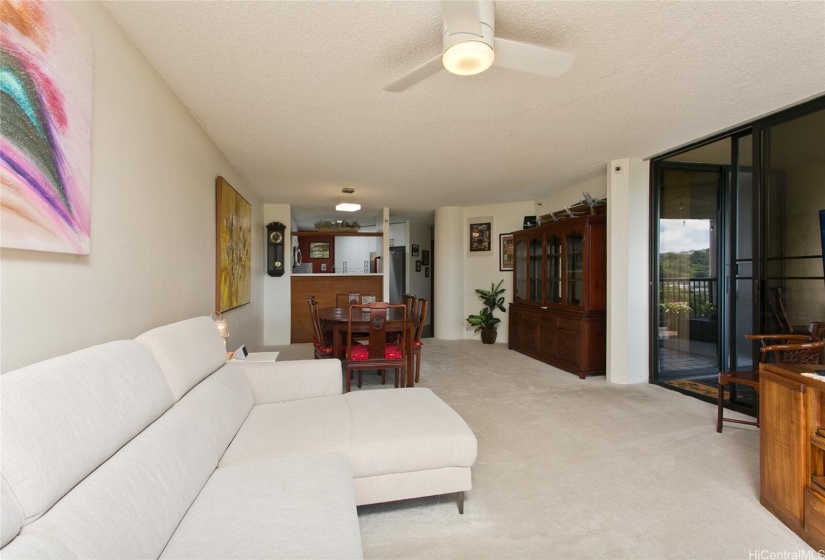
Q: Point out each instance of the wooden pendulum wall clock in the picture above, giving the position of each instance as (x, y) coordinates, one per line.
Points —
(275, 248)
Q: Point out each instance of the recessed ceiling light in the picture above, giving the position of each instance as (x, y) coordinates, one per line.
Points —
(348, 207)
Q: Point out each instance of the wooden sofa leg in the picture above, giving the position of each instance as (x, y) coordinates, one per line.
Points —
(460, 496)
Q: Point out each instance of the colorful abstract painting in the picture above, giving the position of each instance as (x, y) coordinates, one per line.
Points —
(234, 242)
(45, 128)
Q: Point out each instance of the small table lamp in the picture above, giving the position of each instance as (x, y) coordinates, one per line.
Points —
(220, 323)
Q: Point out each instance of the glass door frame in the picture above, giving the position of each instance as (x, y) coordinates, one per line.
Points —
(759, 217)
(659, 166)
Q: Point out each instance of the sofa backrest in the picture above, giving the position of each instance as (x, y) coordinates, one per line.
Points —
(186, 351)
(130, 506)
(62, 418)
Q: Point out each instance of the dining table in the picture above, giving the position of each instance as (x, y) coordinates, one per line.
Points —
(336, 319)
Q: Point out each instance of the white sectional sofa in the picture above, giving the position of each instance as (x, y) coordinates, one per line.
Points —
(157, 448)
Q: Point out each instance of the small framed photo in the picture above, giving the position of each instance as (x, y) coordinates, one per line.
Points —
(418, 266)
(480, 236)
(425, 257)
(505, 251)
(319, 250)
(426, 272)
(415, 250)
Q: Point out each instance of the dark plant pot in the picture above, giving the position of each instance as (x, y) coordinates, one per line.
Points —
(488, 336)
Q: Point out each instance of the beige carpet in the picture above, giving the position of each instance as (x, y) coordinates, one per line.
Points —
(571, 468)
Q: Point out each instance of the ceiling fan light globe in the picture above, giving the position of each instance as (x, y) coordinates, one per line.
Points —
(468, 58)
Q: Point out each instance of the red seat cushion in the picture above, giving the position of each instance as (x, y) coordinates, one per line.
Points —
(321, 349)
(417, 344)
(391, 352)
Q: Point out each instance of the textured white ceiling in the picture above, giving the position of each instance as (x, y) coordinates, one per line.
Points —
(292, 94)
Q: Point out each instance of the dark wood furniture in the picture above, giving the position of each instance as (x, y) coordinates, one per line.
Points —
(325, 287)
(336, 319)
(559, 300)
(378, 353)
(786, 349)
(421, 308)
(792, 449)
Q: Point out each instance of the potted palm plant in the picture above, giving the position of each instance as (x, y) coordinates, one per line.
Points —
(485, 321)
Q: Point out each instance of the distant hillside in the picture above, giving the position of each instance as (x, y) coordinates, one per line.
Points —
(689, 264)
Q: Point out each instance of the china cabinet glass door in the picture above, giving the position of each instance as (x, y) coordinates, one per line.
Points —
(521, 270)
(535, 270)
(553, 261)
(574, 243)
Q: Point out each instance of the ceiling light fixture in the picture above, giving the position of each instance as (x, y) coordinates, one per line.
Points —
(348, 207)
(468, 58)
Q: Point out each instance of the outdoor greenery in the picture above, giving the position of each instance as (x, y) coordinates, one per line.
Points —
(690, 264)
(686, 288)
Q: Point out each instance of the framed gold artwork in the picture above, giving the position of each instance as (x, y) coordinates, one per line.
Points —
(233, 268)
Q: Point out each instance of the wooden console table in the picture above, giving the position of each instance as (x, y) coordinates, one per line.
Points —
(792, 449)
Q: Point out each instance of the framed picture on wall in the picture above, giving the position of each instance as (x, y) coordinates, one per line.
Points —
(415, 250)
(427, 272)
(505, 251)
(425, 257)
(319, 250)
(480, 231)
(418, 266)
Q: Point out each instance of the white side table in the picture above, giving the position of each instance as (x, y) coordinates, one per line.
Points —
(257, 357)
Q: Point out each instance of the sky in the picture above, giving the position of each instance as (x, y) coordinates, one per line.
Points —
(674, 237)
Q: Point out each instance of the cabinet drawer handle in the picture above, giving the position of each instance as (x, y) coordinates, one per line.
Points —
(544, 307)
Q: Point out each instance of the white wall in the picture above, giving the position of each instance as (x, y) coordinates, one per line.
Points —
(421, 235)
(628, 276)
(596, 186)
(481, 272)
(152, 257)
(448, 296)
(278, 289)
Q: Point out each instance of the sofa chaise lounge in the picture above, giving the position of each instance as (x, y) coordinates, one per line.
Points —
(157, 448)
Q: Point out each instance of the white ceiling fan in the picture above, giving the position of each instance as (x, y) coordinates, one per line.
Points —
(470, 47)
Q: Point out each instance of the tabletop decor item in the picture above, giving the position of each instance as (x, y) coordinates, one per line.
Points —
(337, 225)
(485, 321)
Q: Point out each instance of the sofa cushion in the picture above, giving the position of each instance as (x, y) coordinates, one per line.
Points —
(186, 351)
(395, 431)
(130, 506)
(221, 403)
(63, 417)
(278, 430)
(382, 432)
(11, 514)
(302, 507)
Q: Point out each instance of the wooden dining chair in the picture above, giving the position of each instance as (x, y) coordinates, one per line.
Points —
(788, 349)
(409, 300)
(320, 340)
(378, 353)
(420, 318)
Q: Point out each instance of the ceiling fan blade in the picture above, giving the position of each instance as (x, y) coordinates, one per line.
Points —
(462, 16)
(421, 73)
(531, 59)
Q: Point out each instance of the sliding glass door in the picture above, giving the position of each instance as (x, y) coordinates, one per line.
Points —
(736, 246)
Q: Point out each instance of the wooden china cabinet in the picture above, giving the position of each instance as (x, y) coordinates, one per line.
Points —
(558, 309)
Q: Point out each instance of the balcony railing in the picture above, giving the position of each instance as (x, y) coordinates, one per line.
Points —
(698, 293)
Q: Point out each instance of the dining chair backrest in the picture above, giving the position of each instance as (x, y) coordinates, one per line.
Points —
(347, 299)
(316, 320)
(420, 318)
(409, 300)
(378, 319)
